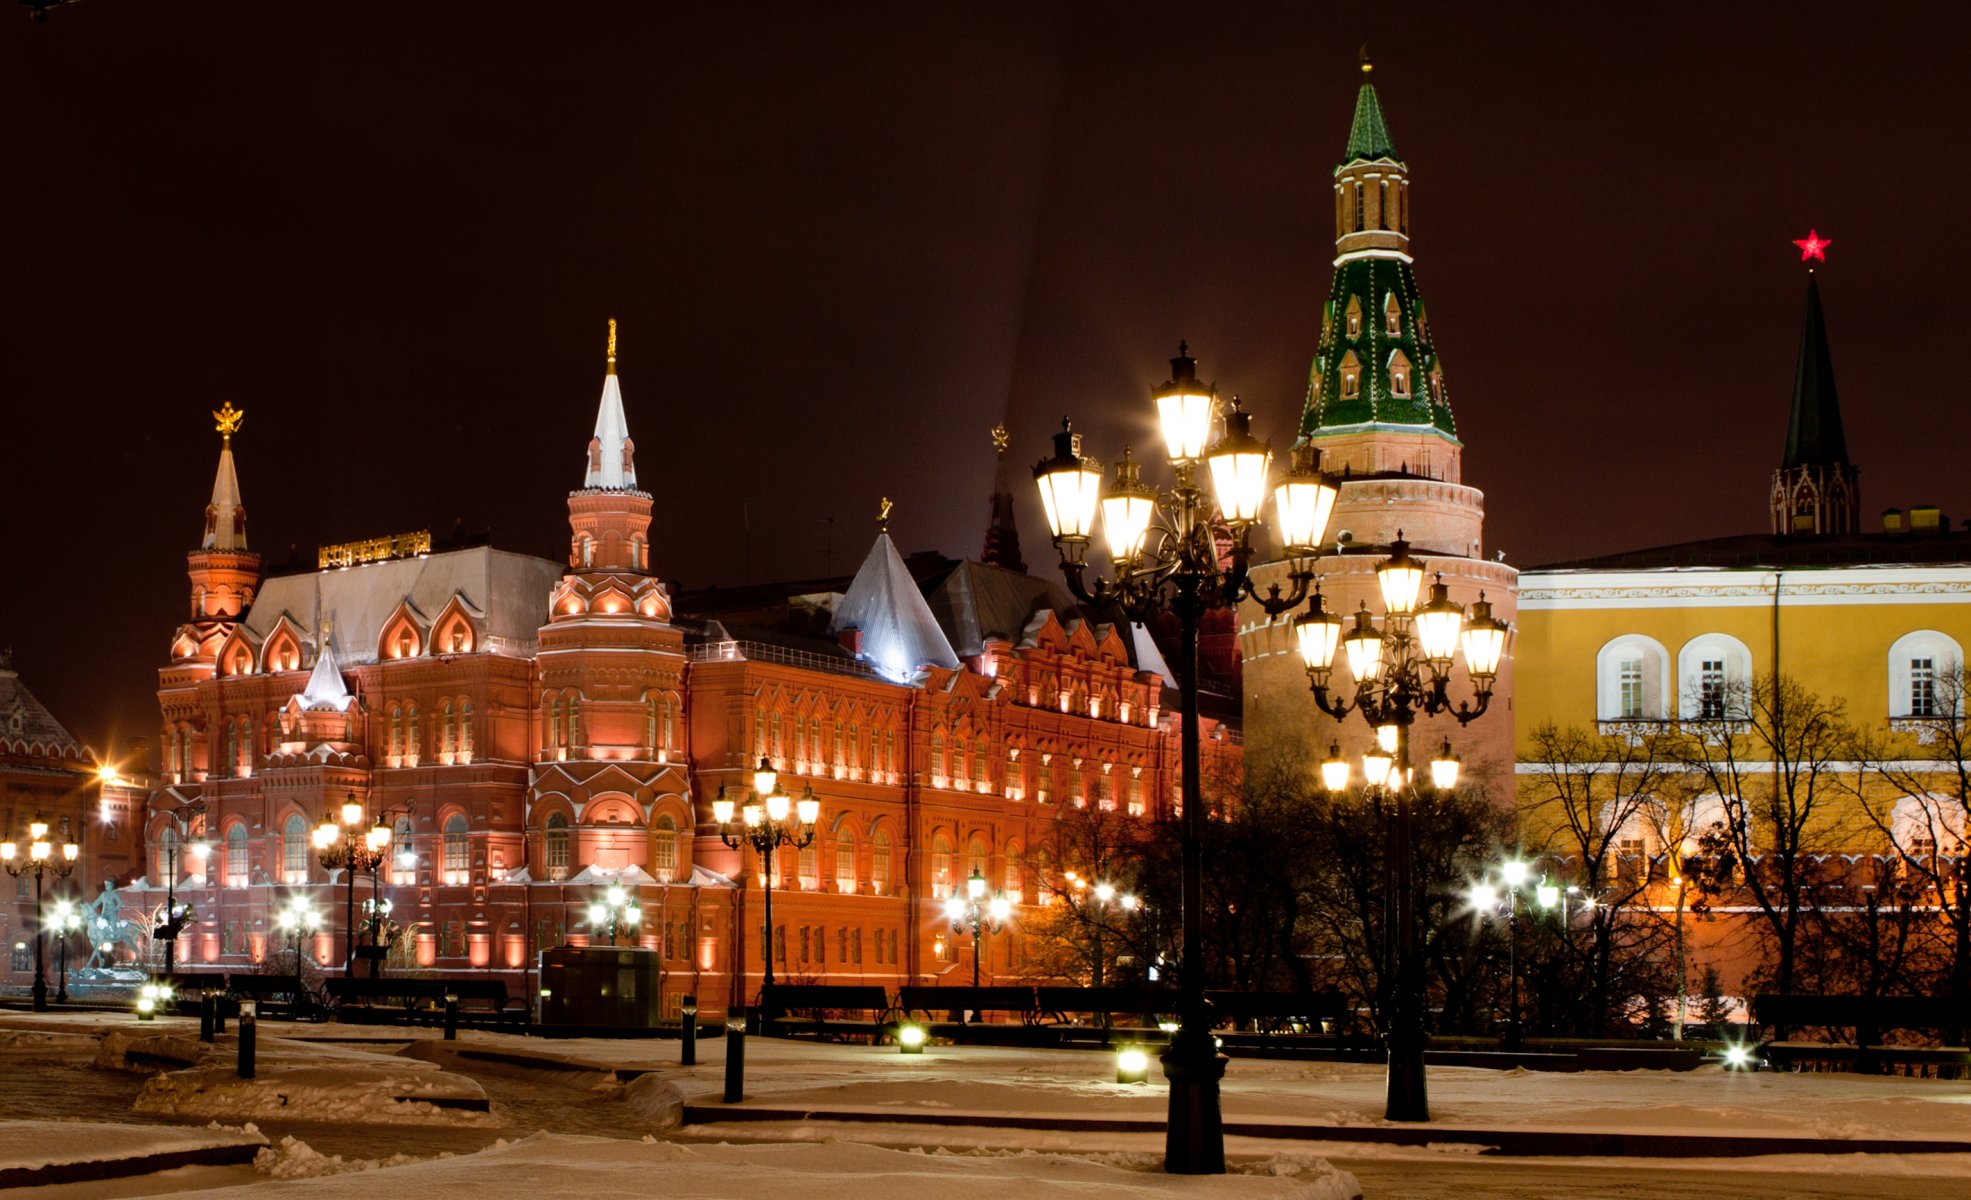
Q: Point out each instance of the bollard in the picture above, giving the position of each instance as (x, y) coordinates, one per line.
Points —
(219, 1014)
(735, 1056)
(451, 1018)
(688, 1032)
(207, 1005)
(248, 1027)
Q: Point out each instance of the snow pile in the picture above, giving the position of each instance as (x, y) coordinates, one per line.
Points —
(119, 1051)
(550, 1166)
(37, 1145)
(296, 1159)
(352, 1095)
(653, 1102)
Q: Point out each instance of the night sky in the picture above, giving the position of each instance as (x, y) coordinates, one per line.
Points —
(844, 240)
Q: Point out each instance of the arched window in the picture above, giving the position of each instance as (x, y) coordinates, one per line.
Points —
(447, 731)
(1632, 680)
(773, 735)
(760, 732)
(556, 848)
(664, 850)
(1015, 882)
(554, 723)
(1925, 676)
(294, 849)
(465, 731)
(810, 868)
(571, 731)
(412, 739)
(1392, 316)
(879, 863)
(236, 865)
(937, 758)
(940, 867)
(1351, 376)
(245, 765)
(395, 745)
(1352, 316)
(845, 877)
(1399, 374)
(232, 745)
(457, 855)
(981, 773)
(1714, 673)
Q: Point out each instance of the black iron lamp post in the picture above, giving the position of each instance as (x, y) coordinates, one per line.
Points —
(1486, 900)
(355, 849)
(65, 921)
(766, 823)
(615, 912)
(1178, 551)
(175, 918)
(42, 859)
(974, 912)
(1401, 670)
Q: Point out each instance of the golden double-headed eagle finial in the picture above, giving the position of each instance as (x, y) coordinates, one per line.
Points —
(228, 419)
(883, 515)
(1000, 437)
(612, 344)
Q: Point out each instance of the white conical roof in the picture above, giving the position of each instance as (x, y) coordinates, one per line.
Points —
(224, 527)
(326, 691)
(1148, 657)
(610, 465)
(899, 634)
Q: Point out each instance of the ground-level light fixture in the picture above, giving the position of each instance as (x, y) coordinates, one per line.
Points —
(1738, 1057)
(1132, 1065)
(910, 1038)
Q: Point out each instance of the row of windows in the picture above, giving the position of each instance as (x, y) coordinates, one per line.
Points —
(232, 860)
(1633, 677)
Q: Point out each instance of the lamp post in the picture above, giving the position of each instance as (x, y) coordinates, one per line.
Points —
(1401, 670)
(768, 821)
(41, 860)
(1486, 898)
(295, 920)
(974, 912)
(355, 849)
(65, 921)
(617, 910)
(175, 918)
(1166, 556)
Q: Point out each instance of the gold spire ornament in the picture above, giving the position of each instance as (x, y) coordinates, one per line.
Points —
(229, 419)
(883, 515)
(612, 345)
(1367, 66)
(999, 437)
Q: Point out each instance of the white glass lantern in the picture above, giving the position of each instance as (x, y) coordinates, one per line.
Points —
(1127, 511)
(1438, 623)
(1070, 486)
(722, 809)
(753, 815)
(1444, 767)
(1376, 768)
(1514, 873)
(325, 835)
(1364, 648)
(1485, 642)
(1185, 408)
(765, 778)
(1303, 503)
(1484, 896)
(1334, 769)
(1316, 633)
(1238, 469)
(954, 909)
(809, 808)
(777, 804)
(352, 812)
(1548, 894)
(1401, 577)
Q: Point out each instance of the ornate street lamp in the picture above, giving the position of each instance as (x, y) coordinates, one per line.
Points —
(1486, 900)
(64, 921)
(975, 912)
(1166, 555)
(355, 849)
(1401, 670)
(768, 821)
(176, 917)
(41, 860)
(616, 911)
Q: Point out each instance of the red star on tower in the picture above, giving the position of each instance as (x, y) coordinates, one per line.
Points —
(1813, 246)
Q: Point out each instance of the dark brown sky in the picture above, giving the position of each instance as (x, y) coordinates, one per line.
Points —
(843, 240)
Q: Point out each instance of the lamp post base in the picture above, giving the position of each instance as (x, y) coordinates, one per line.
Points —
(40, 994)
(1194, 1137)
(1408, 1094)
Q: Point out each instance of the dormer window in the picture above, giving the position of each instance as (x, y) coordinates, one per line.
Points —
(1353, 318)
(1351, 377)
(1392, 316)
(1399, 374)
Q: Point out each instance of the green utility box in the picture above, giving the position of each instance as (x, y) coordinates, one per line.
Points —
(600, 987)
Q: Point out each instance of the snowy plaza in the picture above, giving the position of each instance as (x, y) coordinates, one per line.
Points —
(99, 1104)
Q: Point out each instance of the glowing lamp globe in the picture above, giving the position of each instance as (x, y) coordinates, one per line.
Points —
(1334, 769)
(1363, 645)
(1438, 623)
(632, 915)
(617, 894)
(753, 815)
(1376, 768)
(37, 830)
(1303, 503)
(325, 835)
(1444, 768)
(1388, 737)
(1485, 642)
(376, 839)
(765, 778)
(1548, 895)
(1127, 510)
(598, 913)
(722, 810)
(1316, 633)
(1000, 908)
(1185, 408)
(1070, 487)
(352, 812)
(1484, 896)
(976, 885)
(809, 808)
(1238, 469)
(954, 909)
(1514, 873)
(777, 804)
(1105, 892)
(1401, 577)
(7, 851)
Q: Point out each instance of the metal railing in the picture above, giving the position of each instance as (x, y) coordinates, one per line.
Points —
(733, 650)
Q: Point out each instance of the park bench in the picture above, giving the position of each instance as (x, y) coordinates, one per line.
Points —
(1301, 1014)
(275, 995)
(1866, 1019)
(1145, 1010)
(415, 1000)
(787, 1009)
(1016, 1001)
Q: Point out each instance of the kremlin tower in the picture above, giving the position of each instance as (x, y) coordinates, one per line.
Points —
(1378, 409)
(1815, 489)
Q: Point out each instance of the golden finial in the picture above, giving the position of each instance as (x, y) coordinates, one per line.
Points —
(883, 515)
(229, 419)
(1000, 437)
(612, 345)
(1367, 66)
(328, 629)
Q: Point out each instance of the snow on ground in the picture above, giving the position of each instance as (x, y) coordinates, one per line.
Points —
(408, 1094)
(34, 1145)
(544, 1166)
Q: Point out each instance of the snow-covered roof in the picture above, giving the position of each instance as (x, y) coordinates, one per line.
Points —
(26, 725)
(511, 589)
(977, 601)
(326, 691)
(899, 634)
(1148, 657)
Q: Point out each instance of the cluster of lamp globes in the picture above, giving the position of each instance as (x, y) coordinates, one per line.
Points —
(616, 900)
(1379, 768)
(298, 917)
(1514, 874)
(769, 805)
(375, 840)
(40, 851)
(961, 909)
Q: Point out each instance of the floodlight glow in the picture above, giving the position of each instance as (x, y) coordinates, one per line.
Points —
(1132, 1065)
(910, 1039)
(1737, 1057)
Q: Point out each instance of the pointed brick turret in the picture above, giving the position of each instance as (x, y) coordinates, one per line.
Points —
(1816, 489)
(609, 518)
(223, 571)
(1002, 539)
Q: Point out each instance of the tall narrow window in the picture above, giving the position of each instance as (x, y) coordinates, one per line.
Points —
(554, 723)
(236, 864)
(1015, 884)
(1359, 213)
(1711, 689)
(759, 732)
(412, 739)
(445, 729)
(1629, 676)
(941, 867)
(1923, 687)
(810, 868)
(556, 848)
(294, 850)
(845, 860)
(457, 853)
(465, 731)
(664, 850)
(233, 745)
(879, 864)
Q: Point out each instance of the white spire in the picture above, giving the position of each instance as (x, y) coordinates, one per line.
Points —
(225, 518)
(899, 634)
(611, 461)
(326, 692)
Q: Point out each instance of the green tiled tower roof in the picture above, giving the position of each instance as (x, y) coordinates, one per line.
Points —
(1368, 136)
